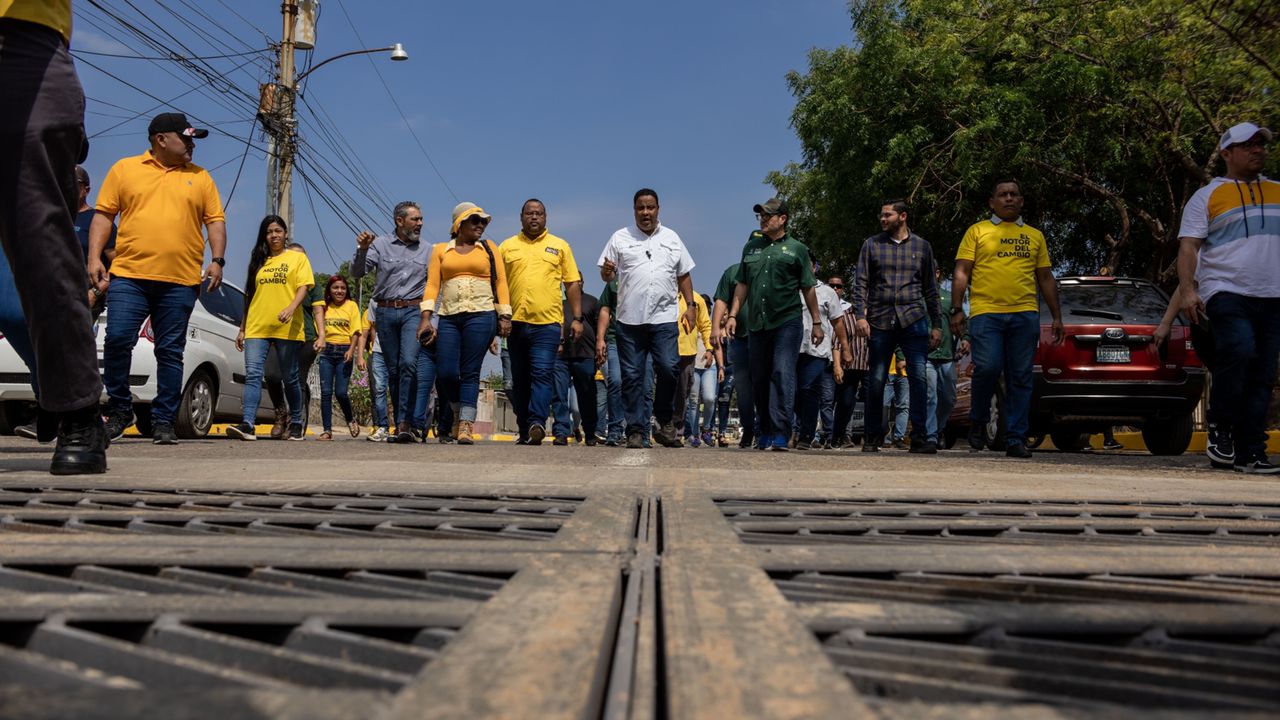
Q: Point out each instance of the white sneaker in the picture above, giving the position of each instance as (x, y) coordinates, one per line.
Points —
(378, 435)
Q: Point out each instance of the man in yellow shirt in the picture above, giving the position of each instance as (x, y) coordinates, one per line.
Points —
(538, 264)
(162, 200)
(41, 139)
(1001, 261)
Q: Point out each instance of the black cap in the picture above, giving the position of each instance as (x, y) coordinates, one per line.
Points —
(774, 206)
(174, 122)
(82, 176)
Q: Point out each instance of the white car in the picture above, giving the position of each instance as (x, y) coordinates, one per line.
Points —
(212, 371)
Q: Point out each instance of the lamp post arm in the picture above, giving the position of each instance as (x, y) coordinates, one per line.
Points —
(322, 63)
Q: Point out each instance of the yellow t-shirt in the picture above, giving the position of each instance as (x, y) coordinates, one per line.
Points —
(1005, 257)
(54, 14)
(536, 268)
(276, 285)
(688, 342)
(342, 323)
(162, 213)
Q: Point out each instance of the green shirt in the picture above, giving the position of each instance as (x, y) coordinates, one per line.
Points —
(724, 293)
(609, 299)
(775, 273)
(314, 296)
(945, 351)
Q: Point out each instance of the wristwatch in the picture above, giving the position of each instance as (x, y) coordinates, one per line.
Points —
(956, 310)
(222, 262)
(581, 318)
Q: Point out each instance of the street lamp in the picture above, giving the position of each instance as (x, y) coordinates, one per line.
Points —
(275, 112)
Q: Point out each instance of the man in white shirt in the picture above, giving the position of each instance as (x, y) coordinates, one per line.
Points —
(652, 264)
(814, 362)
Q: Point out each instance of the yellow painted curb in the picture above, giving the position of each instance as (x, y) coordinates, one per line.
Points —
(1133, 441)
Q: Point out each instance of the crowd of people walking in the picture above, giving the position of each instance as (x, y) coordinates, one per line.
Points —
(649, 360)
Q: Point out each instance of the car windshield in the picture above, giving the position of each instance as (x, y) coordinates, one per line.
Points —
(1111, 302)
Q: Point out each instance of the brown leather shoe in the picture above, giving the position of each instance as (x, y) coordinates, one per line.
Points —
(463, 432)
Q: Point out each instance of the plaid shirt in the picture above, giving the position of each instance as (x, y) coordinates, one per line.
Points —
(893, 286)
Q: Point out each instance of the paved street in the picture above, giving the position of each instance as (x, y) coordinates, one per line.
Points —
(348, 579)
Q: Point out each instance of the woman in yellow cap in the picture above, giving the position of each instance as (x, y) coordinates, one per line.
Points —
(468, 282)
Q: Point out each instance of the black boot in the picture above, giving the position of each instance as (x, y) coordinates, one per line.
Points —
(82, 443)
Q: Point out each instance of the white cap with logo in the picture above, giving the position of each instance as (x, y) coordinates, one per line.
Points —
(1242, 133)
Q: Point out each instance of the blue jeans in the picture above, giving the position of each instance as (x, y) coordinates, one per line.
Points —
(425, 382)
(914, 341)
(1246, 333)
(1004, 343)
(702, 401)
(847, 402)
(724, 396)
(639, 345)
(533, 368)
(613, 382)
(398, 338)
(773, 372)
(897, 404)
(740, 365)
(941, 377)
(827, 408)
(809, 373)
(335, 375)
(460, 347)
(574, 377)
(378, 389)
(602, 409)
(169, 306)
(255, 356)
(13, 323)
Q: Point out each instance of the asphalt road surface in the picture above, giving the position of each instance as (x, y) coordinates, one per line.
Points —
(350, 579)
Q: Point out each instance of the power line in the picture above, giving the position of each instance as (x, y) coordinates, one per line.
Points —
(396, 103)
(169, 57)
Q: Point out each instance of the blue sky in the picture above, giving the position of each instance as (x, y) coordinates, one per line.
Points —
(577, 103)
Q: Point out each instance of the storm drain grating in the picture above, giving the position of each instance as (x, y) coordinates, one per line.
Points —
(356, 515)
(931, 587)
(247, 580)
(869, 521)
(1151, 669)
(169, 651)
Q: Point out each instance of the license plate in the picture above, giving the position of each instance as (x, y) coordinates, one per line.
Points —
(1113, 354)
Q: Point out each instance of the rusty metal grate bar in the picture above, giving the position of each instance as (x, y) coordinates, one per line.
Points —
(1146, 670)
(872, 521)
(929, 587)
(252, 580)
(357, 515)
(168, 651)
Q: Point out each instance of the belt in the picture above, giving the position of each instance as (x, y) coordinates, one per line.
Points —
(397, 304)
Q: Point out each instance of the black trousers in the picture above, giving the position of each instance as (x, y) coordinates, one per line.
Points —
(847, 400)
(41, 139)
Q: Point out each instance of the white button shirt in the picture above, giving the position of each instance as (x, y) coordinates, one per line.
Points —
(648, 266)
(829, 311)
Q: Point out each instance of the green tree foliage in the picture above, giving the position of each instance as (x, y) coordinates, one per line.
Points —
(1108, 111)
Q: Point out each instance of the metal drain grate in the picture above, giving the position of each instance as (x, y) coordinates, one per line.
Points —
(284, 514)
(1151, 669)
(168, 651)
(269, 581)
(1006, 522)
(929, 587)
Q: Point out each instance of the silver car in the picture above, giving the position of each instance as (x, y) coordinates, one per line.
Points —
(212, 371)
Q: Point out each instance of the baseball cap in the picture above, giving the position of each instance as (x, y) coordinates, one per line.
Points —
(174, 122)
(1242, 133)
(774, 206)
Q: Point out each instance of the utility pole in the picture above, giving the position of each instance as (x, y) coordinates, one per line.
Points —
(276, 112)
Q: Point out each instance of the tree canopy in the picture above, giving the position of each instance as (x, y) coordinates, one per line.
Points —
(1107, 111)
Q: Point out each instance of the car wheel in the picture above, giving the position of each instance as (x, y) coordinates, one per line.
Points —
(996, 426)
(1168, 437)
(195, 414)
(1069, 440)
(142, 420)
(15, 413)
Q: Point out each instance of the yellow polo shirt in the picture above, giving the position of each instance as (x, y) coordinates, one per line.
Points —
(536, 268)
(275, 286)
(688, 342)
(1005, 257)
(162, 213)
(54, 14)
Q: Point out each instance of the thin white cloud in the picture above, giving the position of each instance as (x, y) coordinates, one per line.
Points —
(93, 42)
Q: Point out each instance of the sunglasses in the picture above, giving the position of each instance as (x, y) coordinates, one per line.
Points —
(837, 286)
(1251, 144)
(477, 220)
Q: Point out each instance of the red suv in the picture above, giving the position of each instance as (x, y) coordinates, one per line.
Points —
(1107, 371)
